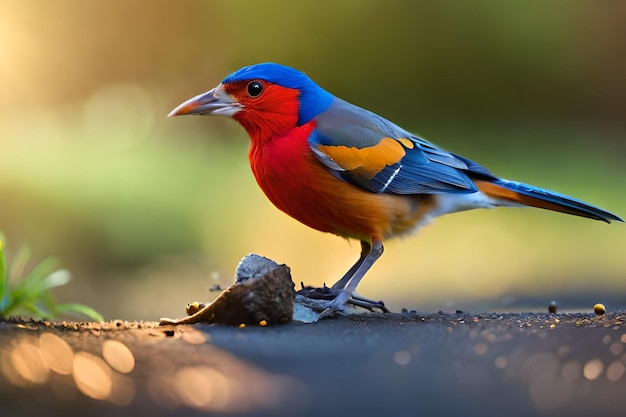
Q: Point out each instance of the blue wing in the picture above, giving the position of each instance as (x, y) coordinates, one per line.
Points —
(367, 150)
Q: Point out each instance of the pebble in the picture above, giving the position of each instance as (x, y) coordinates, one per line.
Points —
(599, 309)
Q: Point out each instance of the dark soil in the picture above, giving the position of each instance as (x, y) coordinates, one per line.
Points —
(359, 365)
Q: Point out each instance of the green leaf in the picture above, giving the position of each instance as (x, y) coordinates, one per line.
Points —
(36, 281)
(18, 264)
(35, 310)
(32, 292)
(55, 279)
(78, 309)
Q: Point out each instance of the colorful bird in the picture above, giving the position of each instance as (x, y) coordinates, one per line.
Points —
(341, 169)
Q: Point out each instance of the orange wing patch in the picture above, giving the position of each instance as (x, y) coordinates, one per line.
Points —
(367, 161)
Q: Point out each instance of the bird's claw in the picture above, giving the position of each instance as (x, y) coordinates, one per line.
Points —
(339, 298)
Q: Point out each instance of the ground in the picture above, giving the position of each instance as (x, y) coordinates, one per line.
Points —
(367, 365)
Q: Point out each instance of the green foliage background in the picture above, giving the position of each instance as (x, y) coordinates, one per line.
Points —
(148, 212)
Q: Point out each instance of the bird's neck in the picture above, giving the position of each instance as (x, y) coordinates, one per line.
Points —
(272, 158)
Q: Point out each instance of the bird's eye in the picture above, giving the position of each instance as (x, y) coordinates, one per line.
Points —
(255, 89)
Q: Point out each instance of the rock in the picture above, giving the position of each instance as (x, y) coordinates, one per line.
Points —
(253, 266)
(263, 292)
(303, 312)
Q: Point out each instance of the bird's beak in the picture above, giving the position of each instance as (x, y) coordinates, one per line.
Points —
(214, 102)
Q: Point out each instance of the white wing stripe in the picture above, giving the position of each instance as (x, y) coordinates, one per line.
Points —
(382, 190)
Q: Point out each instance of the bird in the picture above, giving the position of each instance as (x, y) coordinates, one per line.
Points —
(344, 170)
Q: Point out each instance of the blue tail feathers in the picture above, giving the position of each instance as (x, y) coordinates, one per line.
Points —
(551, 200)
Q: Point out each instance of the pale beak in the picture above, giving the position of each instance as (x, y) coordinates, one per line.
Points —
(214, 102)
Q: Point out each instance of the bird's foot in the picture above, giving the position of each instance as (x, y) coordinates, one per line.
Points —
(338, 299)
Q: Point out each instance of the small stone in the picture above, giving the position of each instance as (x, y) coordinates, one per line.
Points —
(599, 309)
(303, 311)
(552, 307)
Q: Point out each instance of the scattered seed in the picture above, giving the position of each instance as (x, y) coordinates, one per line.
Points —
(599, 309)
(552, 307)
(193, 308)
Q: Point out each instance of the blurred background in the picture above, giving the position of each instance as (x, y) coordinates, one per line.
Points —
(148, 212)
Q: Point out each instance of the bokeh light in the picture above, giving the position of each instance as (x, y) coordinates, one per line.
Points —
(206, 378)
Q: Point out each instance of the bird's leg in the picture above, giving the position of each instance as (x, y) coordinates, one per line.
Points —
(328, 293)
(342, 292)
(343, 281)
(346, 293)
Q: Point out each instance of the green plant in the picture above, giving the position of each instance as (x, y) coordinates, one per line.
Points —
(20, 291)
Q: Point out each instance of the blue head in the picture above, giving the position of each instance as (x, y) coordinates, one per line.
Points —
(313, 99)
